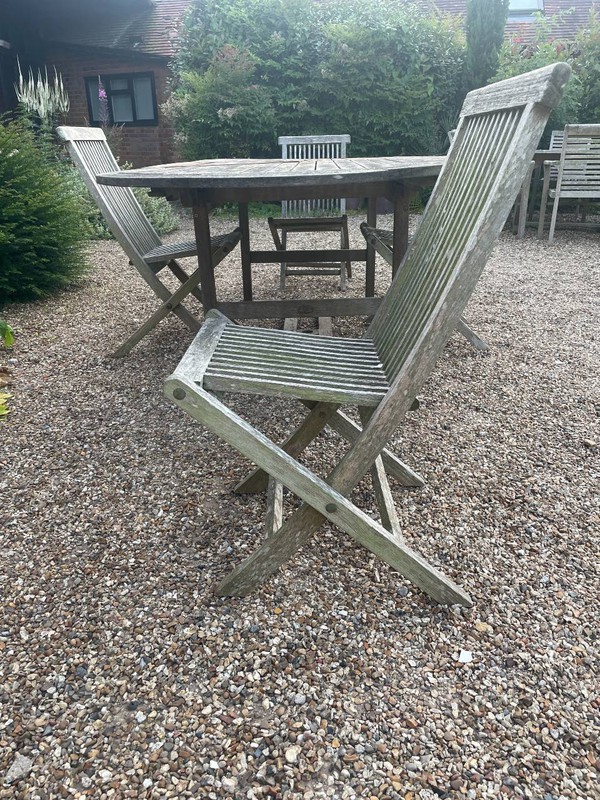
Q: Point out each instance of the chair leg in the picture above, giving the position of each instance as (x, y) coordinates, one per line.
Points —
(310, 427)
(381, 487)
(327, 414)
(543, 203)
(553, 219)
(274, 516)
(471, 336)
(524, 201)
(283, 270)
(345, 268)
(180, 273)
(321, 500)
(346, 240)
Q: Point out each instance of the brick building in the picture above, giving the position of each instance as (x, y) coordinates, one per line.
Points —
(570, 15)
(124, 45)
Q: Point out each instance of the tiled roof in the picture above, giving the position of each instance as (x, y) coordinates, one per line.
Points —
(148, 26)
(575, 14)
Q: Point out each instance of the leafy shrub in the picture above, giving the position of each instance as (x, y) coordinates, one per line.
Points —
(516, 57)
(157, 209)
(42, 228)
(222, 112)
(587, 65)
(250, 70)
(6, 334)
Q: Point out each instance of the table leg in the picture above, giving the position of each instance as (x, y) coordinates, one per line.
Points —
(245, 251)
(400, 229)
(370, 263)
(205, 265)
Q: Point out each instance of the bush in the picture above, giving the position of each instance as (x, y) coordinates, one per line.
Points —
(222, 112)
(42, 227)
(515, 58)
(587, 65)
(249, 70)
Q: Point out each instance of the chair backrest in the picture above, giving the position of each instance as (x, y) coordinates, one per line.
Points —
(556, 140)
(500, 126)
(301, 148)
(118, 205)
(556, 143)
(579, 168)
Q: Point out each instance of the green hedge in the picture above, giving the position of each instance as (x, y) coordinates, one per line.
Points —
(42, 224)
(249, 70)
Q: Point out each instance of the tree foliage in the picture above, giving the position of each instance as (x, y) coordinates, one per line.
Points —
(42, 227)
(517, 57)
(249, 70)
(485, 23)
(587, 66)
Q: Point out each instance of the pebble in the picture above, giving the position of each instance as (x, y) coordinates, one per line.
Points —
(292, 753)
(19, 769)
(126, 676)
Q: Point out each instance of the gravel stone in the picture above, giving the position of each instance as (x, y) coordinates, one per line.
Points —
(122, 675)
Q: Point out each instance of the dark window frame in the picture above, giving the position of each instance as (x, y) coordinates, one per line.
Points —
(92, 81)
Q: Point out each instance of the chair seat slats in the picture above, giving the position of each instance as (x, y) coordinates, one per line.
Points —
(286, 363)
(165, 252)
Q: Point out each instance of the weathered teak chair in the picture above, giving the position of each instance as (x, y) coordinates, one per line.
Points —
(578, 176)
(381, 373)
(304, 216)
(134, 232)
(383, 241)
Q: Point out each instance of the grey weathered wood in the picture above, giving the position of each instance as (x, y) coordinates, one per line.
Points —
(294, 445)
(312, 215)
(486, 165)
(577, 171)
(134, 232)
(471, 336)
(325, 326)
(281, 309)
(189, 285)
(213, 182)
(274, 515)
(321, 415)
(383, 241)
(383, 493)
(325, 500)
(212, 179)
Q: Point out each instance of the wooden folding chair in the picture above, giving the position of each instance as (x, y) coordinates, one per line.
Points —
(577, 173)
(316, 215)
(136, 235)
(381, 373)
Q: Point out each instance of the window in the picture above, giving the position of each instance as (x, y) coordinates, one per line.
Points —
(130, 99)
(519, 10)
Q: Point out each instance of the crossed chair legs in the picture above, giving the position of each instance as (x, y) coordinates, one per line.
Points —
(322, 499)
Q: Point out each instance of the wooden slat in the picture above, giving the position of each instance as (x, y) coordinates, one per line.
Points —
(279, 309)
(325, 501)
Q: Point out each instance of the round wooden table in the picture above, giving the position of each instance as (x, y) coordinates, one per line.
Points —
(202, 184)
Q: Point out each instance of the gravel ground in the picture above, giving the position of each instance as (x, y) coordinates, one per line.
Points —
(122, 675)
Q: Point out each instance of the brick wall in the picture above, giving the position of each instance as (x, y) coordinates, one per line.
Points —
(141, 146)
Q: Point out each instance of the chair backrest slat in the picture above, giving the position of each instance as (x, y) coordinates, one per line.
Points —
(579, 168)
(497, 135)
(300, 148)
(118, 205)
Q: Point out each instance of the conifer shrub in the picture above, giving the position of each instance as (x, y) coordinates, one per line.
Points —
(42, 225)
